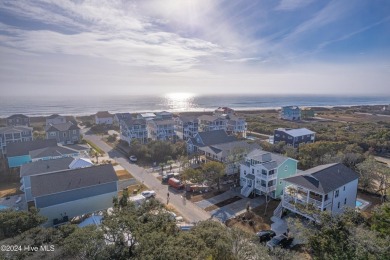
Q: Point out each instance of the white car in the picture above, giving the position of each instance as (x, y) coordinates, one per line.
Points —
(148, 193)
(133, 158)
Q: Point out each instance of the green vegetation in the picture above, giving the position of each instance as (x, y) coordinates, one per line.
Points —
(157, 151)
(345, 236)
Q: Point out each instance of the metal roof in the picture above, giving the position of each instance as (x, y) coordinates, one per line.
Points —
(297, 132)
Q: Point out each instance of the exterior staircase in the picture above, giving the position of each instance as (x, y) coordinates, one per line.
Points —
(246, 191)
(278, 211)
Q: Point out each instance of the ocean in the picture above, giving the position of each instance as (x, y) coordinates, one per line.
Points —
(174, 102)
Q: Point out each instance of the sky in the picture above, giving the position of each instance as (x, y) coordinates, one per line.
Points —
(55, 47)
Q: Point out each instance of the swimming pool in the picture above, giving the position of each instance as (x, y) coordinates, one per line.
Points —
(361, 204)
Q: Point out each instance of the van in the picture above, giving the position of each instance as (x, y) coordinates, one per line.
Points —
(175, 183)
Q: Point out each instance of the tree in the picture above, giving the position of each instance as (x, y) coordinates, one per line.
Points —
(213, 172)
(124, 198)
(380, 220)
(13, 222)
(193, 175)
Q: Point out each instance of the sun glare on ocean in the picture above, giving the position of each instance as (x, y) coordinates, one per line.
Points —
(180, 101)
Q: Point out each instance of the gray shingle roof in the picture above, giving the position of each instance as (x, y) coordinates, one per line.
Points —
(103, 114)
(62, 127)
(227, 148)
(67, 180)
(53, 116)
(51, 151)
(208, 117)
(16, 116)
(40, 167)
(267, 157)
(130, 123)
(324, 178)
(23, 148)
(213, 137)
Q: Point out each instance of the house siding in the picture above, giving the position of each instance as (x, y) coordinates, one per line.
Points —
(63, 197)
(281, 136)
(64, 137)
(282, 172)
(78, 207)
(350, 194)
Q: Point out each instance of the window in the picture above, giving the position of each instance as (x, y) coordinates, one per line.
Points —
(74, 132)
(338, 205)
(253, 171)
(271, 172)
(344, 188)
(345, 201)
(336, 193)
(285, 168)
(280, 182)
(326, 197)
(64, 134)
(244, 172)
(264, 172)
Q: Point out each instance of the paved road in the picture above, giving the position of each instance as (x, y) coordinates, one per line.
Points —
(186, 208)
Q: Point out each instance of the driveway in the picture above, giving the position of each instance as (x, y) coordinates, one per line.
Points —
(186, 208)
(229, 211)
(216, 199)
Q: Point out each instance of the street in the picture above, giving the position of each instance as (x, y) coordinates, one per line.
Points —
(186, 208)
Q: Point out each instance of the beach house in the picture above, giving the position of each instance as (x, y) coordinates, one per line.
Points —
(134, 129)
(161, 129)
(55, 119)
(330, 187)
(230, 154)
(18, 120)
(211, 123)
(203, 139)
(118, 117)
(64, 133)
(186, 127)
(14, 134)
(62, 195)
(292, 113)
(294, 137)
(262, 173)
(104, 118)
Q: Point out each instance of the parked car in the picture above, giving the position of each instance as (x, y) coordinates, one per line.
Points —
(175, 183)
(148, 193)
(166, 177)
(280, 241)
(265, 235)
(133, 158)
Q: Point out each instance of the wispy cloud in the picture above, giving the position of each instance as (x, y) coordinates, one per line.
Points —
(289, 5)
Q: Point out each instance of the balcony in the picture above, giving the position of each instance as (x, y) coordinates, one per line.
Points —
(267, 189)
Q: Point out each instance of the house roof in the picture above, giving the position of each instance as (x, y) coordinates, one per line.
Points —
(209, 117)
(17, 116)
(23, 148)
(213, 137)
(53, 116)
(67, 180)
(61, 127)
(14, 129)
(163, 113)
(103, 114)
(324, 178)
(40, 167)
(268, 159)
(130, 123)
(123, 116)
(185, 119)
(163, 121)
(296, 132)
(80, 163)
(290, 107)
(227, 148)
(144, 115)
(51, 152)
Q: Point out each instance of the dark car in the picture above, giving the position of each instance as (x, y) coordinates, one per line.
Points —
(280, 241)
(265, 235)
(166, 177)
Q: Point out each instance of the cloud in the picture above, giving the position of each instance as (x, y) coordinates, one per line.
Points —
(289, 5)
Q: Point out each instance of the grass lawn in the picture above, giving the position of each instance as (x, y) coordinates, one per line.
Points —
(10, 189)
(123, 175)
(260, 220)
